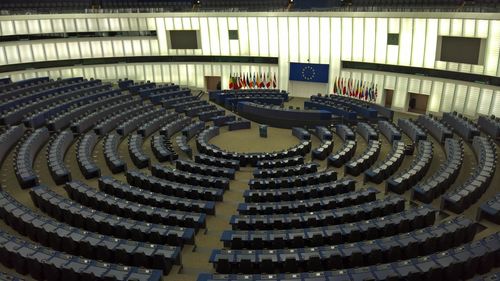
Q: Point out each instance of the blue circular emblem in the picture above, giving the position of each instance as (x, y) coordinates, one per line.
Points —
(308, 73)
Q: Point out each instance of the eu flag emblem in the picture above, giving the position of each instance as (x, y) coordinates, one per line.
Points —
(309, 72)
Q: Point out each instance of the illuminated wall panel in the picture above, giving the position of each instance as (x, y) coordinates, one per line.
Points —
(346, 38)
(58, 25)
(414, 86)
(146, 48)
(447, 97)
(224, 37)
(214, 36)
(134, 24)
(324, 40)
(12, 54)
(390, 82)
(253, 36)
(426, 87)
(96, 49)
(460, 96)
(24, 52)
(418, 42)
(394, 25)
(469, 28)
(92, 24)
(495, 108)
(482, 28)
(114, 24)
(492, 49)
(69, 25)
(38, 52)
(100, 71)
(81, 25)
(74, 50)
(303, 38)
(456, 27)
(263, 36)
(89, 72)
(472, 100)
(399, 99)
(293, 31)
(405, 41)
(272, 23)
(21, 26)
(243, 36)
(62, 51)
(33, 26)
(103, 24)
(434, 101)
(7, 27)
(485, 100)
(124, 23)
(111, 72)
(444, 27)
(369, 40)
(314, 43)
(50, 51)
(284, 54)
(357, 39)
(137, 47)
(381, 40)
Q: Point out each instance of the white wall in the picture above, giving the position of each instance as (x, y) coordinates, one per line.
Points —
(316, 37)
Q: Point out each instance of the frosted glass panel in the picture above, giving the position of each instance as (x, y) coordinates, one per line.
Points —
(418, 43)
(469, 28)
(46, 26)
(273, 36)
(293, 30)
(223, 37)
(34, 26)
(146, 48)
(118, 48)
(136, 45)
(426, 87)
(50, 51)
(381, 41)
(444, 27)
(107, 48)
(435, 98)
(38, 52)
(492, 49)
(74, 50)
(357, 32)
(214, 36)
(58, 25)
(21, 26)
(303, 39)
(472, 101)
(62, 51)
(12, 54)
(24, 52)
(69, 25)
(460, 96)
(114, 24)
(96, 49)
(414, 86)
(263, 36)
(103, 24)
(405, 41)
(243, 36)
(485, 100)
(456, 27)
(447, 98)
(81, 25)
(369, 44)
(495, 109)
(482, 28)
(85, 49)
(7, 27)
(346, 38)
(92, 25)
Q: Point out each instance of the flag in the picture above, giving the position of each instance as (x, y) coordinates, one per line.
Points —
(259, 82)
(243, 82)
(375, 95)
(268, 81)
(309, 72)
(274, 81)
(238, 81)
(335, 86)
(231, 82)
(250, 82)
(254, 81)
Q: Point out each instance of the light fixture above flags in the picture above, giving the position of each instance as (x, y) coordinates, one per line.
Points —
(356, 89)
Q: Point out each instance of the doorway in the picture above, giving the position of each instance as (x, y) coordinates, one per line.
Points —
(418, 103)
(213, 83)
(388, 98)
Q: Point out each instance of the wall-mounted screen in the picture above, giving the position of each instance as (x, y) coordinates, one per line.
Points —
(461, 49)
(184, 39)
